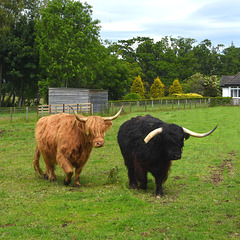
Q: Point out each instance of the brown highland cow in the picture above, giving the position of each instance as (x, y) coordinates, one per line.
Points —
(67, 140)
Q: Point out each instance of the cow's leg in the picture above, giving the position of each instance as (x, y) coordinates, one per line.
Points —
(50, 168)
(78, 170)
(129, 162)
(67, 168)
(141, 174)
(132, 179)
(159, 182)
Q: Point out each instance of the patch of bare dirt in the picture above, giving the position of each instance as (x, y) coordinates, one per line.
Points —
(216, 175)
(1, 132)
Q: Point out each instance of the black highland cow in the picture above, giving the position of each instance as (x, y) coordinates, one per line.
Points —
(148, 145)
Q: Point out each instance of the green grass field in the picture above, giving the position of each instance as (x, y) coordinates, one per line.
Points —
(202, 193)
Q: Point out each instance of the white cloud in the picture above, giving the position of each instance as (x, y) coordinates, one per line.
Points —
(216, 20)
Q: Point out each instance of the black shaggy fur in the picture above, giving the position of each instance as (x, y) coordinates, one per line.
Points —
(155, 156)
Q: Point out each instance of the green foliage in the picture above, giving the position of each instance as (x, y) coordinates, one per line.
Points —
(157, 89)
(175, 88)
(137, 86)
(220, 101)
(68, 43)
(187, 95)
(203, 85)
(195, 84)
(20, 61)
(132, 96)
(212, 86)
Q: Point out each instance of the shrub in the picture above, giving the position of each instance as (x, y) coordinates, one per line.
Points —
(220, 101)
(187, 95)
(175, 88)
(157, 89)
(137, 86)
(132, 96)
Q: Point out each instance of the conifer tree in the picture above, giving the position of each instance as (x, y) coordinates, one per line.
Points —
(157, 88)
(137, 86)
(175, 88)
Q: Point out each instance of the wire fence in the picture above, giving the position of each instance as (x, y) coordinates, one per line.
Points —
(33, 113)
(157, 105)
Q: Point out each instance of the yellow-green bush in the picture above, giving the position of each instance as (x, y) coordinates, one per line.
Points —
(175, 88)
(187, 95)
(157, 89)
(137, 87)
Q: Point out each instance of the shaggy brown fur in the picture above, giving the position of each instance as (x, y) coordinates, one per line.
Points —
(63, 140)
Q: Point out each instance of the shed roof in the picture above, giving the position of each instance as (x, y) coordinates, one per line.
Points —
(230, 80)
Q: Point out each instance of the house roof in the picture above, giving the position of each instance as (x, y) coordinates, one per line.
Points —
(230, 80)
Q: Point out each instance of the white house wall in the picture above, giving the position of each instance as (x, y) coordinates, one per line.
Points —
(225, 92)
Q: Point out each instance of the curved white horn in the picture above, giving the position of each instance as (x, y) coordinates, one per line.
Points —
(152, 134)
(198, 135)
(77, 117)
(113, 117)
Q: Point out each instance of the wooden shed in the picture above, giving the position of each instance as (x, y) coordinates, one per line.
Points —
(99, 98)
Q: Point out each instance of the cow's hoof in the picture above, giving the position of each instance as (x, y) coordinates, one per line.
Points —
(133, 186)
(67, 182)
(77, 185)
(45, 176)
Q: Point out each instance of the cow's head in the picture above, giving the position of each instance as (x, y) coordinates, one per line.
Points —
(95, 127)
(173, 137)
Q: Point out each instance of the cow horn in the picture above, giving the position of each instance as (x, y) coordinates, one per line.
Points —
(198, 135)
(113, 117)
(152, 134)
(84, 119)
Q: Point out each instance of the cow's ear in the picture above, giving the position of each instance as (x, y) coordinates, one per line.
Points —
(186, 136)
(108, 124)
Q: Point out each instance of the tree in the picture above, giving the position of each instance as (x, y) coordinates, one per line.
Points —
(208, 86)
(157, 89)
(175, 88)
(137, 86)
(230, 61)
(9, 11)
(18, 56)
(68, 43)
(194, 84)
(212, 86)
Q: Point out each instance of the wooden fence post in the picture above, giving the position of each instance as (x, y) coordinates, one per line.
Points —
(11, 114)
(27, 114)
(112, 107)
(91, 108)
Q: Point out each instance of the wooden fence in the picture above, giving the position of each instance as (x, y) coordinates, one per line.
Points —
(110, 109)
(44, 110)
(158, 105)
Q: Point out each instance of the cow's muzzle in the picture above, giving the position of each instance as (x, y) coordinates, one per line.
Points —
(176, 157)
(98, 144)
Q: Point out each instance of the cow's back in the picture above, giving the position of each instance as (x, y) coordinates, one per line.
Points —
(47, 132)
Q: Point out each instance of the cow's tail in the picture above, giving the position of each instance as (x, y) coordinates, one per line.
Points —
(36, 161)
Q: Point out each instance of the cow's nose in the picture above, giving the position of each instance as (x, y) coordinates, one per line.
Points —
(99, 144)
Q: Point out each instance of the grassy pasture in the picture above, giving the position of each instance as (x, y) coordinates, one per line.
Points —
(202, 196)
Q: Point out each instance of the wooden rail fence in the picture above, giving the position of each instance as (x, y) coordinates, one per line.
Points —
(44, 110)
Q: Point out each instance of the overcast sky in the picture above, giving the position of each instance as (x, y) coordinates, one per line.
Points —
(216, 20)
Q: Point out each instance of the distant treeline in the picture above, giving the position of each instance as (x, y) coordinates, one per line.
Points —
(57, 44)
